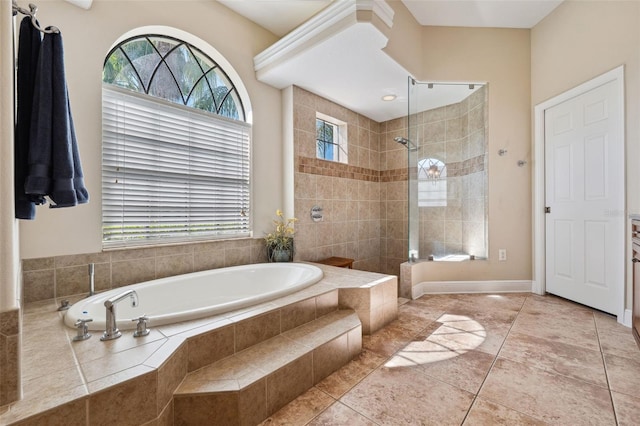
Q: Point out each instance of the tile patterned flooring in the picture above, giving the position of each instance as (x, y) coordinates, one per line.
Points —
(483, 360)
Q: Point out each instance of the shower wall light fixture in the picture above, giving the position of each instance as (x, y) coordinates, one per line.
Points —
(431, 169)
(433, 172)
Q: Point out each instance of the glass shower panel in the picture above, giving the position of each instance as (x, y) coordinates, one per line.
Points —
(447, 171)
(413, 125)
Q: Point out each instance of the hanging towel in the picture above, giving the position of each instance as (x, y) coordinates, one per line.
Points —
(28, 52)
(54, 162)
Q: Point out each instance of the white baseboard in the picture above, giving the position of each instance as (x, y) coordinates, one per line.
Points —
(440, 287)
(626, 318)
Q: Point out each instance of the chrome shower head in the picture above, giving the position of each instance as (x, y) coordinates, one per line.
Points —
(406, 142)
(401, 140)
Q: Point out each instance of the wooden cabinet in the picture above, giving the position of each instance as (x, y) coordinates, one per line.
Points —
(635, 237)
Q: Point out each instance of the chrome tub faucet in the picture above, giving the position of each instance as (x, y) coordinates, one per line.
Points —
(111, 332)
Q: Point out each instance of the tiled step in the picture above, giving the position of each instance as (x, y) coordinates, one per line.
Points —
(247, 387)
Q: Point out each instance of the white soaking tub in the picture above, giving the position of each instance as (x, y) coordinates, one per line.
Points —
(197, 295)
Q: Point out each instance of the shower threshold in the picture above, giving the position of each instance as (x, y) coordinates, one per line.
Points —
(453, 258)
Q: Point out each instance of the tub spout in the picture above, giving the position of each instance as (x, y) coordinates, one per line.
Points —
(111, 331)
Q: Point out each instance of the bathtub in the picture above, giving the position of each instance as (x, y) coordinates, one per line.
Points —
(197, 295)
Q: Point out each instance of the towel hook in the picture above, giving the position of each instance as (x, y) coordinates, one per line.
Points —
(33, 9)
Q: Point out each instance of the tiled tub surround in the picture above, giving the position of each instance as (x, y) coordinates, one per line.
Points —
(9, 344)
(54, 277)
(133, 380)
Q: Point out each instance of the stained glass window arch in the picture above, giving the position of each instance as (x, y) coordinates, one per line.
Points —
(168, 68)
(176, 142)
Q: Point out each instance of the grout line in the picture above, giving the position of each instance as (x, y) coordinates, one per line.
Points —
(604, 366)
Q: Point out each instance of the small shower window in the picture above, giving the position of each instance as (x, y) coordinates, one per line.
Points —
(331, 139)
(432, 183)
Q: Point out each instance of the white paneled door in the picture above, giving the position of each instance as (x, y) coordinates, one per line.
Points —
(584, 190)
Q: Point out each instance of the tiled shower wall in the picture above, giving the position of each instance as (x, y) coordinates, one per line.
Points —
(349, 194)
(456, 135)
(393, 183)
(364, 202)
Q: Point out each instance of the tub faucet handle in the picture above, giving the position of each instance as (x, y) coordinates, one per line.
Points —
(141, 326)
(83, 329)
(64, 305)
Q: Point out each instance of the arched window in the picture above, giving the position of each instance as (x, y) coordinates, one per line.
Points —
(432, 183)
(176, 146)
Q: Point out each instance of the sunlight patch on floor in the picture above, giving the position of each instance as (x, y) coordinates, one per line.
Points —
(456, 335)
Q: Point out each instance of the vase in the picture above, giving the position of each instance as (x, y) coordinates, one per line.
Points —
(279, 254)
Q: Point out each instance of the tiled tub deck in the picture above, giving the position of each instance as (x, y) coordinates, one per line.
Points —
(132, 380)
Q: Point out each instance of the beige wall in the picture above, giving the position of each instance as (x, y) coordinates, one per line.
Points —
(405, 39)
(501, 58)
(579, 41)
(88, 36)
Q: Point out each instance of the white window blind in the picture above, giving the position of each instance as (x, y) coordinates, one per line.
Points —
(171, 173)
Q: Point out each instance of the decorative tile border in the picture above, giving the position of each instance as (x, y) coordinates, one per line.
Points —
(317, 166)
(466, 167)
(320, 167)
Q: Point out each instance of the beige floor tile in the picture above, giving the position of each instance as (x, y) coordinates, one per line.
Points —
(302, 409)
(466, 371)
(577, 328)
(485, 413)
(387, 340)
(624, 374)
(483, 313)
(555, 399)
(403, 396)
(553, 305)
(619, 342)
(556, 357)
(340, 414)
(627, 409)
(413, 318)
(609, 323)
(492, 302)
(434, 304)
(351, 374)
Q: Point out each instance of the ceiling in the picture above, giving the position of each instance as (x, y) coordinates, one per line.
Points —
(282, 16)
(481, 13)
(355, 86)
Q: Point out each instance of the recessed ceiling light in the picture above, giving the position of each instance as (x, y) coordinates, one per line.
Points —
(388, 97)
